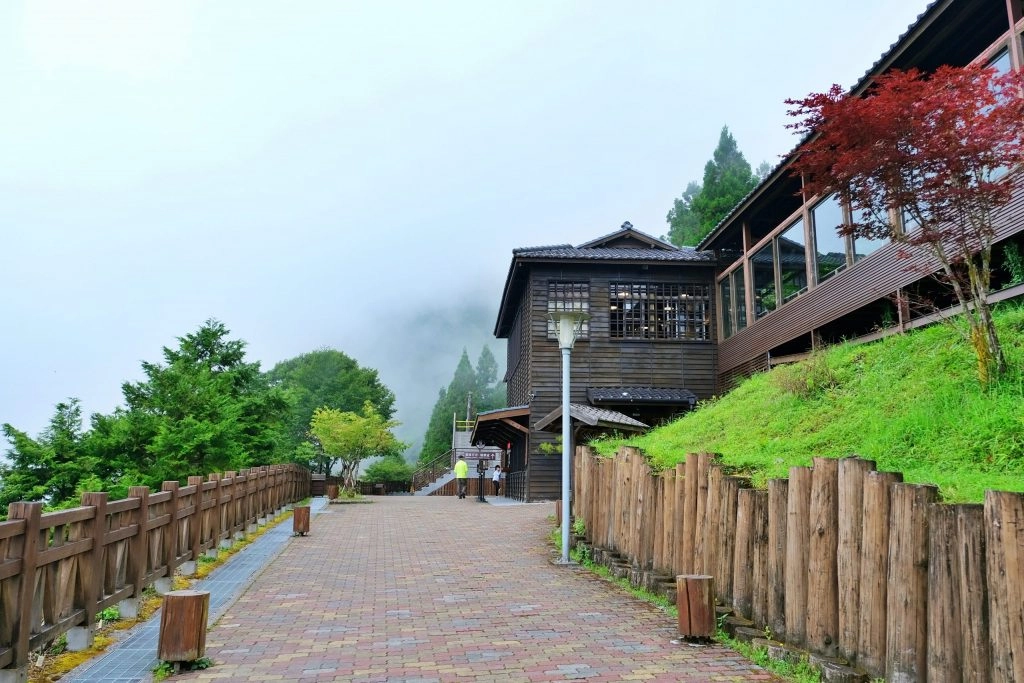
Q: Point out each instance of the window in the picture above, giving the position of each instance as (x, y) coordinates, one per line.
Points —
(763, 265)
(830, 246)
(734, 303)
(792, 261)
(568, 296)
(659, 311)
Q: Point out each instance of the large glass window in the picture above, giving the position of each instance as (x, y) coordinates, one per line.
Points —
(862, 246)
(734, 303)
(725, 289)
(830, 246)
(1001, 62)
(739, 290)
(763, 265)
(659, 311)
(792, 261)
(568, 296)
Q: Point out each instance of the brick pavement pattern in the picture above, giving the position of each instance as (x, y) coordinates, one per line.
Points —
(434, 589)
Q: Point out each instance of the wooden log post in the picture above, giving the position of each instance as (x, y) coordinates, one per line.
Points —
(874, 571)
(707, 561)
(678, 518)
(332, 491)
(906, 642)
(300, 520)
(778, 501)
(701, 532)
(822, 581)
(798, 531)
(974, 615)
(725, 553)
(1004, 555)
(183, 626)
(945, 639)
(743, 559)
(760, 585)
(689, 514)
(851, 528)
(695, 600)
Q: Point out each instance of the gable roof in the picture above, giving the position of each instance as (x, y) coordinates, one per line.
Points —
(601, 418)
(625, 245)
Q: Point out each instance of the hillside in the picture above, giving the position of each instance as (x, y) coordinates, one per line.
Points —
(910, 402)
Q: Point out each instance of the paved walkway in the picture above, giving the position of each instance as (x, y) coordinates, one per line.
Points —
(134, 656)
(432, 589)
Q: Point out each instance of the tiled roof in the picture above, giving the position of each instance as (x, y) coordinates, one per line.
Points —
(592, 416)
(640, 394)
(566, 251)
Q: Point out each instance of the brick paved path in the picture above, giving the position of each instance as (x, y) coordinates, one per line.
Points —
(417, 589)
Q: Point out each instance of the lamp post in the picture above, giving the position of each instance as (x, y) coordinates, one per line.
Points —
(568, 324)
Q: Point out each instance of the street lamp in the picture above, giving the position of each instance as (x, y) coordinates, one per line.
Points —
(568, 325)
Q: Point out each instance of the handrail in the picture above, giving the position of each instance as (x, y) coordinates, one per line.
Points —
(431, 470)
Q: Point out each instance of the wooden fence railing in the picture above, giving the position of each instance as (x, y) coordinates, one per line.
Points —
(59, 569)
(838, 560)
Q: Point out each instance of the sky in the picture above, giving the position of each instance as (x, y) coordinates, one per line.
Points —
(355, 175)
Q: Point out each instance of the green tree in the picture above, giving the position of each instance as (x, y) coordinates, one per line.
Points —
(350, 438)
(478, 389)
(205, 409)
(50, 467)
(727, 179)
(326, 378)
(684, 223)
(391, 469)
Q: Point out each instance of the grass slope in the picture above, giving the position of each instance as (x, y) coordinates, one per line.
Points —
(910, 402)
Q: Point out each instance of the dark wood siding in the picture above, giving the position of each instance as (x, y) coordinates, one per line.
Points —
(599, 361)
(876, 277)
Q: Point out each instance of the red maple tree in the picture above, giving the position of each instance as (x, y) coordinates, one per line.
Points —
(945, 149)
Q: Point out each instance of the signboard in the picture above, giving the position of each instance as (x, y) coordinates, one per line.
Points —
(478, 453)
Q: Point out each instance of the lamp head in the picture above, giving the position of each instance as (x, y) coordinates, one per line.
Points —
(568, 325)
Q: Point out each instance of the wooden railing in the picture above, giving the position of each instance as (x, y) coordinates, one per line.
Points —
(838, 560)
(59, 569)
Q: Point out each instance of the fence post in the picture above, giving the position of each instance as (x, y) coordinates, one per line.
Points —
(945, 640)
(30, 512)
(822, 581)
(170, 540)
(778, 501)
(1004, 527)
(138, 553)
(93, 576)
(797, 536)
(874, 571)
(851, 529)
(906, 642)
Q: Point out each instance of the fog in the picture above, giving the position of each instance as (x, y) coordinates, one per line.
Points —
(355, 175)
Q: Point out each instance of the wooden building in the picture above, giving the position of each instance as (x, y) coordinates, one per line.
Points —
(787, 281)
(645, 354)
(671, 326)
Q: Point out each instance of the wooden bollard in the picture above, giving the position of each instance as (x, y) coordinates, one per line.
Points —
(183, 626)
(695, 599)
(332, 491)
(300, 520)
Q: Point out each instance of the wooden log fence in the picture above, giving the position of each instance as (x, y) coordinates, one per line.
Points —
(58, 570)
(838, 560)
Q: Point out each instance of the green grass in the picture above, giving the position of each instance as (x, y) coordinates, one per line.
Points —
(910, 402)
